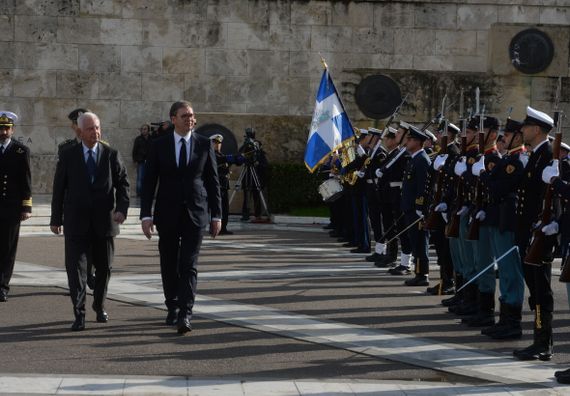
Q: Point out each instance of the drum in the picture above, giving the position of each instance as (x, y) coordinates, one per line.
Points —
(330, 190)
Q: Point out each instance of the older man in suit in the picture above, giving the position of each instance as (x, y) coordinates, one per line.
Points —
(90, 199)
(183, 165)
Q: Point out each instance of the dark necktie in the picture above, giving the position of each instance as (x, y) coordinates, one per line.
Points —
(91, 166)
(1, 150)
(182, 158)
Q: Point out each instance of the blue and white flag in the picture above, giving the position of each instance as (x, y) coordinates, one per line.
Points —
(330, 125)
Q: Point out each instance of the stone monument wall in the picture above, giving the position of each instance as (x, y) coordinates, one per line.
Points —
(257, 62)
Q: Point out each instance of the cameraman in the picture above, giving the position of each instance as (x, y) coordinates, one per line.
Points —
(224, 163)
(255, 159)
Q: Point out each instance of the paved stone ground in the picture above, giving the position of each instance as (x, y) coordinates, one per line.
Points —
(276, 303)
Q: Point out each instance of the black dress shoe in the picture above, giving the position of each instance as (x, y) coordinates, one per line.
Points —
(563, 378)
(171, 317)
(349, 244)
(373, 257)
(329, 226)
(418, 280)
(360, 250)
(3, 296)
(400, 270)
(102, 316)
(561, 373)
(184, 325)
(79, 323)
(226, 232)
(534, 352)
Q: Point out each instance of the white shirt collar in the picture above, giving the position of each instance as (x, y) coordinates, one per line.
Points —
(6, 143)
(94, 149)
(185, 137)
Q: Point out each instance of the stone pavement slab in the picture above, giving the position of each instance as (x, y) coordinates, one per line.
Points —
(274, 304)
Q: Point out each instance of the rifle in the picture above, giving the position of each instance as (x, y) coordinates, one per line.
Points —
(536, 250)
(473, 234)
(378, 144)
(452, 228)
(433, 220)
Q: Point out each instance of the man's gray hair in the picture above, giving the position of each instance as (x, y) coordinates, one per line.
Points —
(85, 116)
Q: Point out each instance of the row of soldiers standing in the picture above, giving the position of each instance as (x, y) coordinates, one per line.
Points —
(391, 184)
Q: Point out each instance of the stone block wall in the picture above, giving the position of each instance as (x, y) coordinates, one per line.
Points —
(256, 62)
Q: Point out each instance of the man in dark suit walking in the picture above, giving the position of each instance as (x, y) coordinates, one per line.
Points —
(15, 197)
(90, 199)
(183, 164)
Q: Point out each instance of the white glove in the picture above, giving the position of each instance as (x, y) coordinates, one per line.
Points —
(360, 151)
(550, 172)
(439, 161)
(444, 215)
(460, 167)
(379, 173)
(441, 207)
(481, 215)
(550, 228)
(419, 213)
(478, 166)
(360, 174)
(462, 211)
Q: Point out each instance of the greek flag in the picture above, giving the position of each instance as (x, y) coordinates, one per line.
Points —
(330, 125)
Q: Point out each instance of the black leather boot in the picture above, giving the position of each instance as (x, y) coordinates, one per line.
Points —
(511, 326)
(468, 304)
(541, 348)
(456, 299)
(486, 314)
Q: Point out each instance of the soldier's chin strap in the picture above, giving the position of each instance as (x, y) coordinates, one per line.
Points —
(510, 145)
(402, 138)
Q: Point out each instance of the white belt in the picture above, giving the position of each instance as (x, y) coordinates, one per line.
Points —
(396, 184)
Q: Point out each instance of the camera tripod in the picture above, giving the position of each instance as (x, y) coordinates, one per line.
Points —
(250, 175)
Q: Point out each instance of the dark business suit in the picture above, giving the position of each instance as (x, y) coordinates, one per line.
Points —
(15, 198)
(186, 198)
(85, 209)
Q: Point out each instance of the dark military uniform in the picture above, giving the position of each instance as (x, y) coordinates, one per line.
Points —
(502, 183)
(414, 200)
(440, 241)
(373, 197)
(390, 189)
(224, 177)
(15, 199)
(537, 278)
(65, 145)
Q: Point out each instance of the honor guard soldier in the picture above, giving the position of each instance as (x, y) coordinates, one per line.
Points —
(445, 163)
(502, 182)
(466, 301)
(224, 162)
(374, 157)
(487, 214)
(531, 193)
(390, 175)
(414, 200)
(73, 116)
(15, 196)
(361, 233)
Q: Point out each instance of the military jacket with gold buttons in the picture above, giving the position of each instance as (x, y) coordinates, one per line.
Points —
(449, 186)
(490, 206)
(531, 192)
(502, 183)
(561, 188)
(15, 181)
(414, 185)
